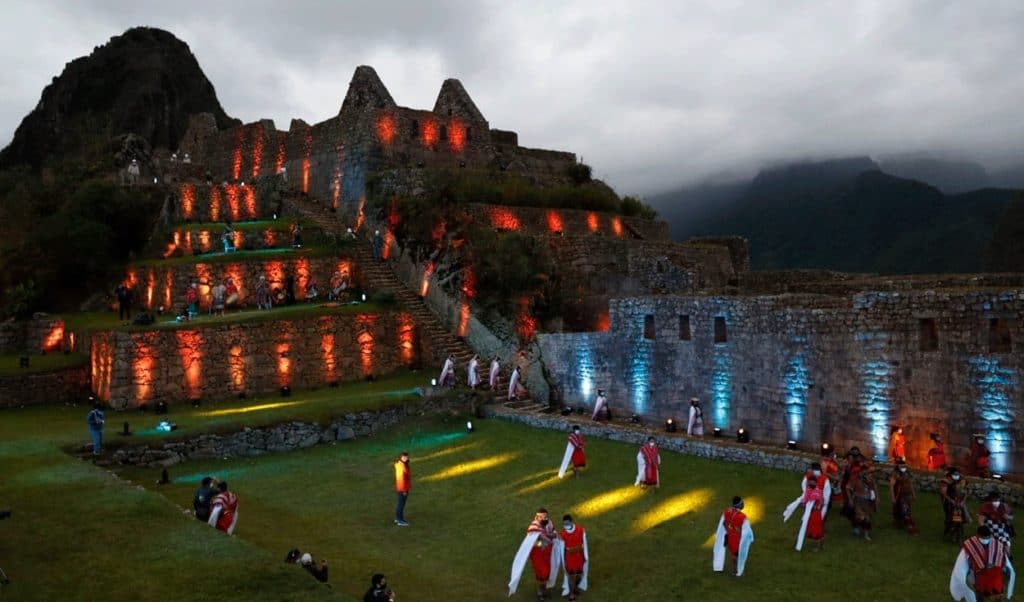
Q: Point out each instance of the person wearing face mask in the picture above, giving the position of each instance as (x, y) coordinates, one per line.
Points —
(998, 517)
(733, 535)
(576, 557)
(538, 547)
(988, 560)
(575, 453)
(816, 474)
(815, 506)
(901, 490)
(863, 499)
(648, 465)
(954, 503)
(980, 457)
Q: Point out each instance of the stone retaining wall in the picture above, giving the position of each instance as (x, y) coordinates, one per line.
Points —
(62, 386)
(724, 450)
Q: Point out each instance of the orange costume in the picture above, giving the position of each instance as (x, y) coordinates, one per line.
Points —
(937, 456)
(899, 446)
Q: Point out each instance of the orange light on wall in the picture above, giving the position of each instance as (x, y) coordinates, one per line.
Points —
(503, 219)
(256, 135)
(215, 203)
(284, 365)
(236, 154)
(234, 205)
(456, 135)
(360, 216)
(204, 276)
(53, 339)
(428, 270)
(554, 222)
(327, 352)
(469, 283)
(604, 322)
(188, 242)
(238, 239)
(280, 155)
(168, 289)
(131, 278)
(526, 324)
(437, 234)
(188, 200)
(365, 340)
(236, 273)
(275, 272)
(617, 226)
(336, 180)
(173, 245)
(406, 339)
(269, 238)
(302, 276)
(143, 363)
(389, 239)
(71, 341)
(429, 132)
(463, 318)
(394, 217)
(593, 222)
(150, 286)
(190, 350)
(344, 268)
(203, 237)
(386, 128)
(250, 201)
(101, 359)
(307, 154)
(236, 368)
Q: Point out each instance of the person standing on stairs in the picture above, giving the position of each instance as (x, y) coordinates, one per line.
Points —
(493, 374)
(447, 378)
(378, 246)
(471, 376)
(514, 387)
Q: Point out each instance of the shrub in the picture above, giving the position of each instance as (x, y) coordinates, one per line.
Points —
(579, 173)
(634, 207)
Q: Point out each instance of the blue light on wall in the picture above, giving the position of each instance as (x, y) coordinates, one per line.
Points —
(721, 386)
(876, 388)
(585, 368)
(995, 385)
(796, 382)
(640, 374)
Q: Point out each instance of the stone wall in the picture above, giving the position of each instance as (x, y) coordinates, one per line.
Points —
(41, 334)
(185, 241)
(815, 368)
(220, 202)
(727, 451)
(157, 285)
(60, 386)
(254, 358)
(568, 222)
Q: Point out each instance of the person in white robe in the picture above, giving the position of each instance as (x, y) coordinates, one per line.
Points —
(734, 535)
(472, 377)
(492, 376)
(695, 426)
(513, 385)
(600, 402)
(574, 453)
(447, 378)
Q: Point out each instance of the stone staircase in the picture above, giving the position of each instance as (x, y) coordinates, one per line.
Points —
(380, 276)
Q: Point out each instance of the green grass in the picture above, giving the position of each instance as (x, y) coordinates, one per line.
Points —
(51, 362)
(108, 320)
(308, 252)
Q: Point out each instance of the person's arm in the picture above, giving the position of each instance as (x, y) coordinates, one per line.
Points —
(234, 521)
(214, 515)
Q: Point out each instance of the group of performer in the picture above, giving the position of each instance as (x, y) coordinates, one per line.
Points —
(984, 559)
(515, 385)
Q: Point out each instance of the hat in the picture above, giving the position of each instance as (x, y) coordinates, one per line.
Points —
(307, 559)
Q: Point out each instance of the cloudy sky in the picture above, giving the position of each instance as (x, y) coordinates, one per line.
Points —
(651, 94)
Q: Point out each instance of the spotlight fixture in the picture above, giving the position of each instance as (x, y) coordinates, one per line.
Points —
(826, 449)
(742, 435)
(566, 411)
(143, 407)
(241, 395)
(433, 382)
(997, 477)
(243, 184)
(580, 409)
(364, 297)
(286, 391)
(126, 432)
(333, 384)
(275, 216)
(635, 419)
(469, 426)
(790, 444)
(196, 402)
(670, 426)
(161, 407)
(717, 433)
(166, 426)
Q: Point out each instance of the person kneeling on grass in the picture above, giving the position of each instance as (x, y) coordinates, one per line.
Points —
(306, 560)
(224, 511)
(379, 591)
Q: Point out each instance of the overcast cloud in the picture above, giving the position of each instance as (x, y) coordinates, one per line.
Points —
(651, 94)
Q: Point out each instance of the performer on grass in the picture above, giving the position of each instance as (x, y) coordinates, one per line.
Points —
(997, 515)
(987, 559)
(648, 465)
(539, 548)
(901, 490)
(817, 491)
(576, 557)
(574, 453)
(733, 535)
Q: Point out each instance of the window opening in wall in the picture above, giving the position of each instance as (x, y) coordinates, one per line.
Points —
(684, 328)
(929, 335)
(414, 132)
(721, 334)
(999, 338)
(444, 132)
(649, 327)
(469, 134)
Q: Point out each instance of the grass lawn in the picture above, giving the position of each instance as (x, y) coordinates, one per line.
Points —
(10, 364)
(474, 494)
(280, 225)
(108, 320)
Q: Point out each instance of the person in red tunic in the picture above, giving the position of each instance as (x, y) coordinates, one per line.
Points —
(540, 555)
(937, 454)
(574, 453)
(988, 559)
(574, 538)
(997, 515)
(733, 535)
(648, 464)
(224, 510)
(814, 501)
(899, 445)
(980, 457)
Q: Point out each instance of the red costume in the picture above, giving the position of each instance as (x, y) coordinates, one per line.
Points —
(815, 524)
(228, 502)
(579, 457)
(899, 445)
(830, 468)
(980, 455)
(650, 453)
(540, 555)
(191, 295)
(574, 556)
(733, 519)
(937, 456)
(987, 563)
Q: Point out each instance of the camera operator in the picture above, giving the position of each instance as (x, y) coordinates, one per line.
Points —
(379, 591)
(306, 560)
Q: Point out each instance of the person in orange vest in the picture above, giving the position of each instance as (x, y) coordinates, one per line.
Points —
(937, 454)
(899, 445)
(576, 558)
(403, 483)
(224, 510)
(733, 535)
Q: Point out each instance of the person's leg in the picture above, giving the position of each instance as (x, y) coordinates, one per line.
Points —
(400, 507)
(97, 441)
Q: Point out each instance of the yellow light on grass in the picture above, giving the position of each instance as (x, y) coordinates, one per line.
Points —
(672, 508)
(447, 452)
(247, 409)
(548, 482)
(607, 501)
(465, 468)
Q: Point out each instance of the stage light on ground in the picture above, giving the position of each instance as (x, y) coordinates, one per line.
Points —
(826, 449)
(196, 402)
(333, 384)
(790, 444)
(166, 427)
(670, 426)
(433, 382)
(126, 431)
(580, 409)
(743, 435)
(997, 477)
(717, 433)
(161, 407)
(635, 419)
(286, 391)
(143, 407)
(566, 411)
(23, 361)
(469, 426)
(364, 297)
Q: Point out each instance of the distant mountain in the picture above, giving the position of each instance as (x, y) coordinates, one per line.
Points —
(1009, 177)
(949, 176)
(701, 202)
(831, 215)
(145, 81)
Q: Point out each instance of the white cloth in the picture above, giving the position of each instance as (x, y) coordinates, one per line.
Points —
(215, 514)
(493, 376)
(808, 508)
(586, 565)
(565, 460)
(718, 553)
(523, 556)
(513, 384)
(695, 426)
(958, 579)
(472, 378)
(641, 466)
(446, 371)
(599, 403)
